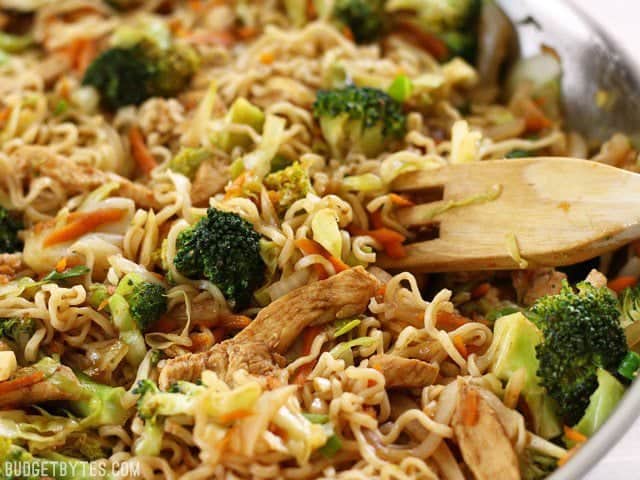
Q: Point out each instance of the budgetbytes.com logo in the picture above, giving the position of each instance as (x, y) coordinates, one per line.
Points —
(68, 469)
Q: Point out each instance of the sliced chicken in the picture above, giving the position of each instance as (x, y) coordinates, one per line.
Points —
(531, 285)
(77, 178)
(10, 264)
(210, 179)
(402, 372)
(596, 278)
(277, 327)
(484, 445)
(44, 391)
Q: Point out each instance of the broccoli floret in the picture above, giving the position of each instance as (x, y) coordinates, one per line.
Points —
(516, 339)
(154, 404)
(289, 184)
(360, 119)
(225, 249)
(130, 75)
(135, 306)
(188, 160)
(439, 16)
(147, 300)
(17, 329)
(536, 466)
(365, 18)
(582, 333)
(9, 228)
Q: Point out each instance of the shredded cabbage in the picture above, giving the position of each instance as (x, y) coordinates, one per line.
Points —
(465, 144)
(514, 250)
(402, 162)
(342, 351)
(492, 194)
(326, 231)
(345, 326)
(198, 125)
(259, 161)
(366, 183)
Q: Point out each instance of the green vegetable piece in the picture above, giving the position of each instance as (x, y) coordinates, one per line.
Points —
(98, 294)
(61, 107)
(518, 154)
(516, 339)
(241, 112)
(365, 18)
(332, 447)
(147, 301)
(582, 333)
(188, 160)
(56, 276)
(317, 418)
(296, 11)
(99, 404)
(629, 366)
(14, 43)
(290, 184)
(401, 88)
(344, 326)
(359, 119)
(10, 225)
(602, 403)
(225, 249)
(461, 44)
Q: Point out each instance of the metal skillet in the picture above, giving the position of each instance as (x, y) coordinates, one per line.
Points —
(591, 62)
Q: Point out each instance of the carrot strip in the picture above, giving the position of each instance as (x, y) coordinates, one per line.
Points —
(449, 321)
(85, 223)
(246, 33)
(470, 412)
(534, 117)
(267, 58)
(568, 456)
(480, 290)
(425, 40)
(348, 34)
(201, 341)
(311, 9)
(140, 152)
(400, 201)
(21, 382)
(303, 372)
(391, 241)
(311, 247)
(620, 283)
(61, 266)
(235, 189)
(235, 415)
(574, 435)
(376, 219)
(234, 322)
(460, 346)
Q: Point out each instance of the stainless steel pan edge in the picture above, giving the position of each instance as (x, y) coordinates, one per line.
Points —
(592, 61)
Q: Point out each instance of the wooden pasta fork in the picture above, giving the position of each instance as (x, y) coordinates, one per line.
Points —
(517, 213)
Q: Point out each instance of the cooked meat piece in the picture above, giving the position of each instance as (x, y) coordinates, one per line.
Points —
(76, 178)
(44, 391)
(210, 179)
(404, 372)
(399, 404)
(10, 264)
(484, 445)
(531, 285)
(596, 279)
(277, 326)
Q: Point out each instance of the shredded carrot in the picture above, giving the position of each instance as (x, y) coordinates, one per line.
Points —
(568, 456)
(400, 201)
(348, 34)
(311, 247)
(196, 5)
(381, 291)
(450, 321)
(61, 266)
(303, 372)
(140, 152)
(246, 33)
(267, 58)
(4, 115)
(376, 219)
(81, 224)
(480, 290)
(87, 52)
(391, 241)
(470, 412)
(311, 9)
(103, 304)
(460, 346)
(234, 322)
(620, 283)
(201, 341)
(219, 334)
(425, 40)
(534, 116)
(21, 382)
(165, 324)
(574, 435)
(235, 189)
(235, 415)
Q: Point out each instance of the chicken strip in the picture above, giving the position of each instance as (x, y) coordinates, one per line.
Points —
(531, 285)
(277, 327)
(44, 391)
(400, 372)
(77, 178)
(484, 445)
(210, 179)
